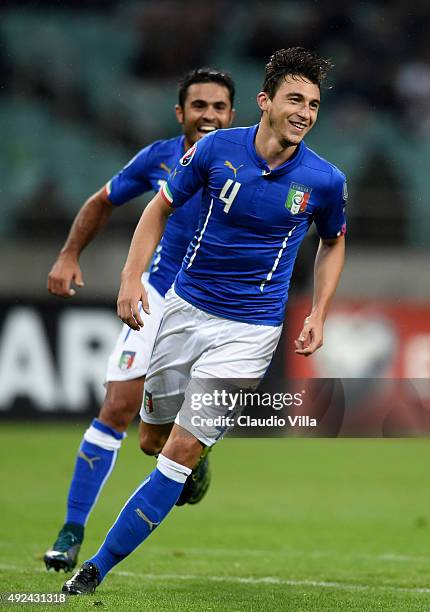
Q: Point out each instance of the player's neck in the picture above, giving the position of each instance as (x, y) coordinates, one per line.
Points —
(270, 148)
(187, 145)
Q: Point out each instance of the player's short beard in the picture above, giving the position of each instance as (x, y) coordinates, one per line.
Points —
(191, 135)
(282, 141)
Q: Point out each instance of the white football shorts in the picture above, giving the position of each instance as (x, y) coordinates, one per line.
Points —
(130, 357)
(193, 346)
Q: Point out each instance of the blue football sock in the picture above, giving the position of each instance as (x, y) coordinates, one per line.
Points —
(94, 464)
(142, 513)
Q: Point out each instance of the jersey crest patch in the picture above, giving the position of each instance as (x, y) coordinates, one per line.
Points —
(147, 402)
(297, 198)
(187, 158)
(126, 360)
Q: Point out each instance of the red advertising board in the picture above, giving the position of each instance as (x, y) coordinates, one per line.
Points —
(364, 339)
(372, 376)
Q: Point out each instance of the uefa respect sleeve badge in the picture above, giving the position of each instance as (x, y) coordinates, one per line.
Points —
(297, 198)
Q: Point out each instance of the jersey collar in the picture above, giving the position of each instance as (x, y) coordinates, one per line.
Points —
(261, 163)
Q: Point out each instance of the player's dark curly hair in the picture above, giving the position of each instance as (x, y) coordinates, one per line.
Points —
(294, 61)
(204, 75)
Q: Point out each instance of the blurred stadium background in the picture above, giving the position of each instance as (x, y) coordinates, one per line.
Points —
(86, 84)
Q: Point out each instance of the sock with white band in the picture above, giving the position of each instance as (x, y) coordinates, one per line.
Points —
(142, 513)
(94, 464)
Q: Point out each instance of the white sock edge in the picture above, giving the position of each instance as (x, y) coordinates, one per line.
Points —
(171, 469)
(99, 438)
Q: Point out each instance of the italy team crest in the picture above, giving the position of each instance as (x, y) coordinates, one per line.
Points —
(126, 360)
(297, 198)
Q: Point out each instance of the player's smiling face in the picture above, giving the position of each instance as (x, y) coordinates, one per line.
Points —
(207, 108)
(293, 110)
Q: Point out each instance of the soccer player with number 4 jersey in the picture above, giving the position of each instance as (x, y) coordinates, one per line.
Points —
(262, 188)
(205, 104)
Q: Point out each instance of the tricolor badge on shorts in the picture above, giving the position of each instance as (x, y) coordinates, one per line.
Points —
(147, 402)
(297, 198)
(126, 360)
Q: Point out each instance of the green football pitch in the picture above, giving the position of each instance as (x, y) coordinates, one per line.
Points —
(288, 524)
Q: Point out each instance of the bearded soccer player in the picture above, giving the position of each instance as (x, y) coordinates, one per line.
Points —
(262, 189)
(205, 104)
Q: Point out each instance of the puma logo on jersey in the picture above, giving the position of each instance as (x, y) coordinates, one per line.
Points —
(230, 165)
(143, 516)
(164, 166)
(89, 460)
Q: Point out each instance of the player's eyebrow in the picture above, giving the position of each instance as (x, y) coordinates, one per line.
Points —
(199, 102)
(302, 97)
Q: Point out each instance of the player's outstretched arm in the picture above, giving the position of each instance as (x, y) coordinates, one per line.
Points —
(328, 267)
(147, 235)
(90, 219)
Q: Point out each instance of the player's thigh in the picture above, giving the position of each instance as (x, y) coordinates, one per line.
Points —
(152, 437)
(176, 348)
(238, 362)
(242, 352)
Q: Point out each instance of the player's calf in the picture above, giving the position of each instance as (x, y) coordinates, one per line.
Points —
(94, 463)
(152, 438)
(140, 516)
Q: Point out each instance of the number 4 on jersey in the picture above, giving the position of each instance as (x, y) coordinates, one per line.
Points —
(228, 195)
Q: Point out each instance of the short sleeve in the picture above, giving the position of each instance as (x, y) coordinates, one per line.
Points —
(132, 180)
(330, 218)
(190, 174)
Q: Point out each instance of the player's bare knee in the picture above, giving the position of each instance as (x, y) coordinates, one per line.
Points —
(149, 448)
(152, 438)
(150, 443)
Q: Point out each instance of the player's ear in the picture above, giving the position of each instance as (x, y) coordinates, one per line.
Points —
(232, 115)
(263, 100)
(179, 114)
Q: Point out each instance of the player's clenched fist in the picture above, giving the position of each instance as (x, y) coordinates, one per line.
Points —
(130, 294)
(64, 272)
(311, 336)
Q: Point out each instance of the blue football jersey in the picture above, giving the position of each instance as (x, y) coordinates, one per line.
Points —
(252, 221)
(148, 171)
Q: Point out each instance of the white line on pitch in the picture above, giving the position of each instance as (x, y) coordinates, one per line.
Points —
(269, 580)
(296, 553)
(276, 581)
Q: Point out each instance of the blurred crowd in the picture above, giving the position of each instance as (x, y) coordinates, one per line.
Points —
(110, 67)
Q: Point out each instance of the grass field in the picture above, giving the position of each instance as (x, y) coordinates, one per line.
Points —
(301, 525)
